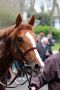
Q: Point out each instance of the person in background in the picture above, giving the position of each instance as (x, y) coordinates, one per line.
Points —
(51, 43)
(50, 75)
(40, 36)
(42, 48)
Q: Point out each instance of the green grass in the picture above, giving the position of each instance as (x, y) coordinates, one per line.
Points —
(56, 46)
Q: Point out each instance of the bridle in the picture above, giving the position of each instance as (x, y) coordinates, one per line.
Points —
(22, 57)
(16, 46)
(20, 52)
(26, 68)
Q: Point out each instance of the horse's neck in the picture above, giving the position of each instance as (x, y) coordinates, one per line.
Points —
(5, 32)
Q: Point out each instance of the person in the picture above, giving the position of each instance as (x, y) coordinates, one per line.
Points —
(40, 36)
(50, 75)
(51, 43)
(42, 48)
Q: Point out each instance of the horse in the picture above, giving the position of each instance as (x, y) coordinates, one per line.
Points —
(18, 42)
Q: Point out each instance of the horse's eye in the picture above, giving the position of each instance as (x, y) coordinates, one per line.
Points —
(20, 39)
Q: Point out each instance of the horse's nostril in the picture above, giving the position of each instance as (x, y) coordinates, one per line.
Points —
(37, 67)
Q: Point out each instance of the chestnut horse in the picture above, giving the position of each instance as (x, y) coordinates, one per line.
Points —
(18, 43)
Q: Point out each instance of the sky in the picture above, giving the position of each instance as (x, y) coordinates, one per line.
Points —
(38, 4)
(47, 5)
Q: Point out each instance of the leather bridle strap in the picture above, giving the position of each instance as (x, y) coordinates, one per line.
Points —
(31, 49)
(19, 51)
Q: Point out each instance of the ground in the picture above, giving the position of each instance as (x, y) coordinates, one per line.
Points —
(25, 87)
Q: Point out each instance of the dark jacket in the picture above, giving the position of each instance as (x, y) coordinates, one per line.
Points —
(41, 51)
(50, 46)
(51, 74)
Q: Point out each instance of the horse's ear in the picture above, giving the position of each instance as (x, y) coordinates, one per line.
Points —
(18, 20)
(32, 20)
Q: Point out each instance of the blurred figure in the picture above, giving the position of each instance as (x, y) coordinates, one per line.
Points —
(40, 36)
(42, 48)
(50, 75)
(51, 43)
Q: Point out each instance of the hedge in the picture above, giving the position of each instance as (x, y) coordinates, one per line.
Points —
(46, 30)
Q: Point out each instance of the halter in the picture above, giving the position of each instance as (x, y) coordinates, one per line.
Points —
(20, 52)
(23, 57)
(25, 69)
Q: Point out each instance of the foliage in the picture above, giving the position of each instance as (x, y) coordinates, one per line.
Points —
(44, 18)
(56, 46)
(46, 30)
(7, 17)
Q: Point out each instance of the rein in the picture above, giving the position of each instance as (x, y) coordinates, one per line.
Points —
(23, 57)
(19, 51)
(27, 70)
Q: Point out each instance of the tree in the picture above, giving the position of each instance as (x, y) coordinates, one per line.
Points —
(22, 6)
(31, 10)
(44, 18)
(55, 7)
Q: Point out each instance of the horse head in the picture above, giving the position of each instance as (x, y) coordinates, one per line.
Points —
(24, 43)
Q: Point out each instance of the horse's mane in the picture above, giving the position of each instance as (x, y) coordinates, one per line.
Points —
(24, 26)
(6, 31)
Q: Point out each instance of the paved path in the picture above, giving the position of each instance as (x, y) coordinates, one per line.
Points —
(55, 52)
(25, 87)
